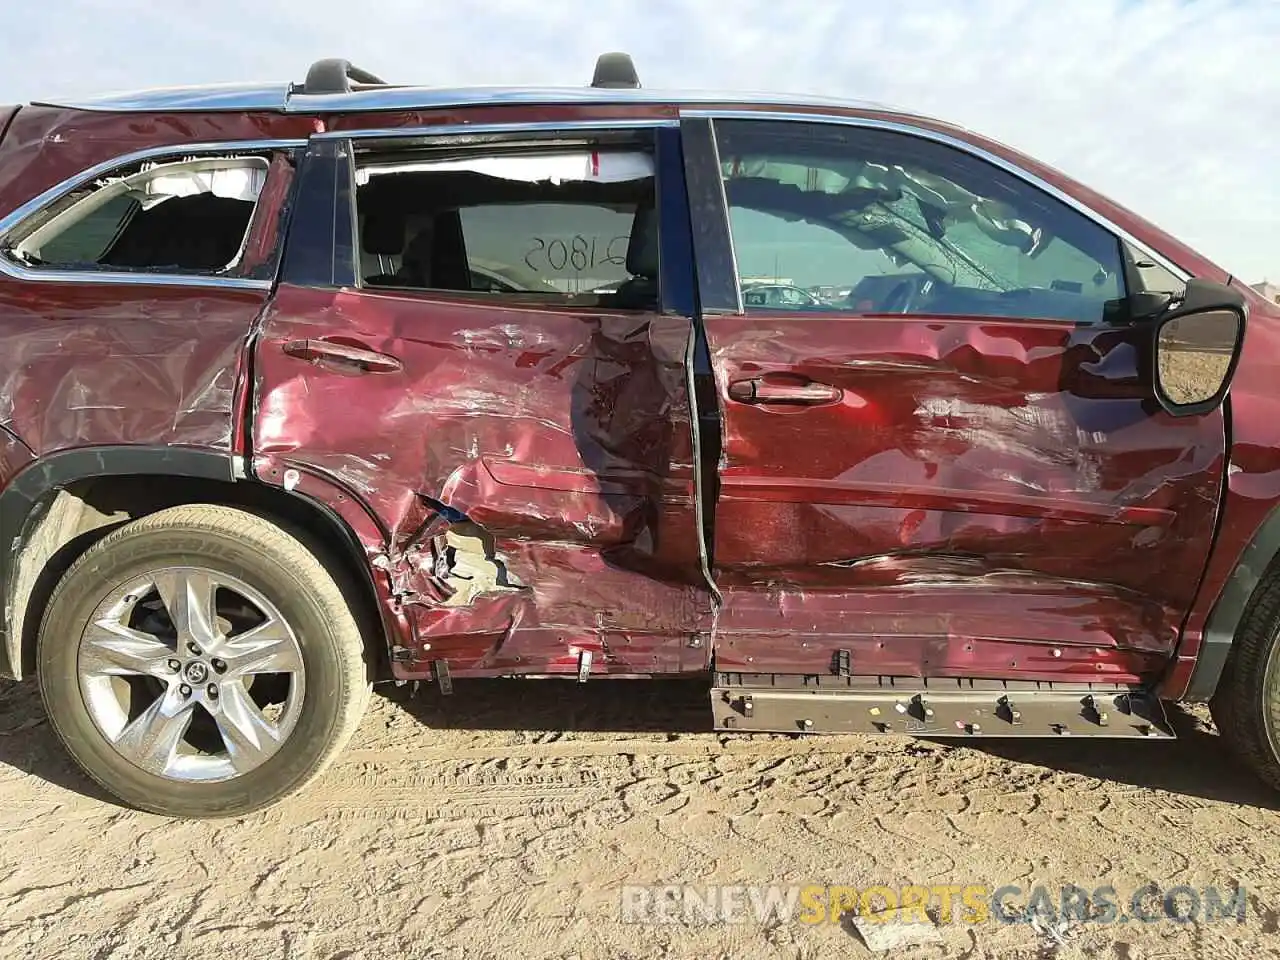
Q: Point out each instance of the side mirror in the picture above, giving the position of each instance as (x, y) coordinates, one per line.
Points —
(1197, 347)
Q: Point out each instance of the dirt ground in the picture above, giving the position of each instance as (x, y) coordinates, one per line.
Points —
(504, 820)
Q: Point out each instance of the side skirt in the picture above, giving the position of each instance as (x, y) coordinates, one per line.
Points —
(783, 703)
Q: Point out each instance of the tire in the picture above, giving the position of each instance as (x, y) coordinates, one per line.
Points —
(1246, 705)
(291, 682)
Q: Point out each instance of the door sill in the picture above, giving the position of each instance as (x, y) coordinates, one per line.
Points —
(771, 703)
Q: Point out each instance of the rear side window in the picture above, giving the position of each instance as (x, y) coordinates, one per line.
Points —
(871, 221)
(188, 217)
(571, 227)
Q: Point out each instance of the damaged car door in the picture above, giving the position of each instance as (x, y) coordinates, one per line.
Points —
(475, 344)
(954, 464)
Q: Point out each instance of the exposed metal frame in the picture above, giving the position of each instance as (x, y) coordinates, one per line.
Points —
(17, 217)
(956, 143)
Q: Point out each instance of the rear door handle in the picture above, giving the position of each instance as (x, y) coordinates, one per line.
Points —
(759, 390)
(369, 361)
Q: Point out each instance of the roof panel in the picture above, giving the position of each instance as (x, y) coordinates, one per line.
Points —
(213, 97)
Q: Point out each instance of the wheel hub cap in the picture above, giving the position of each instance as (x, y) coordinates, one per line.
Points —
(212, 716)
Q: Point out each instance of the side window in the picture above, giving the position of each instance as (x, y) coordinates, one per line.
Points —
(187, 217)
(575, 227)
(859, 220)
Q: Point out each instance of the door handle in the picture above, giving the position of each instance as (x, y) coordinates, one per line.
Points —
(369, 361)
(759, 390)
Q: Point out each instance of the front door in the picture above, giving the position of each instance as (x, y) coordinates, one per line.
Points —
(493, 367)
(941, 452)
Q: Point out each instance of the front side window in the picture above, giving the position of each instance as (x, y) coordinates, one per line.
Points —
(838, 218)
(568, 227)
(186, 217)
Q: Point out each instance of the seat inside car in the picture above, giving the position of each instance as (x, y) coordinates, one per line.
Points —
(435, 258)
(640, 291)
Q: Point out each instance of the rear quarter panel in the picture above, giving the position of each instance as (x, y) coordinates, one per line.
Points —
(46, 145)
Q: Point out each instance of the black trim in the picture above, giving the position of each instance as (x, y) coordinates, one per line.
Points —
(615, 71)
(335, 75)
(21, 501)
(1201, 297)
(320, 248)
(676, 275)
(712, 243)
(1230, 608)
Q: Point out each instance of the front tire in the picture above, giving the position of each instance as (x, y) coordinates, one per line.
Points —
(1246, 705)
(201, 662)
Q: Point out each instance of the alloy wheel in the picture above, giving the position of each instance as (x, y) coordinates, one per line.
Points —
(191, 674)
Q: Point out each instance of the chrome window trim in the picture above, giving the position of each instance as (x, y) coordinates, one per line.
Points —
(15, 219)
(497, 129)
(963, 145)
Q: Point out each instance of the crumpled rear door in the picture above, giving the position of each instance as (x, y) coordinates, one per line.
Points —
(531, 468)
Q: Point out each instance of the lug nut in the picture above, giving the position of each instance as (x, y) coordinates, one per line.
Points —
(212, 690)
(184, 690)
(175, 665)
(220, 665)
(194, 649)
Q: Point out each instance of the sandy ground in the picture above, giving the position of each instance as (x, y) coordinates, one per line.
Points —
(446, 831)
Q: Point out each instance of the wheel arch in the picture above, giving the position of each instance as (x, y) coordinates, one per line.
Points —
(58, 505)
(1260, 554)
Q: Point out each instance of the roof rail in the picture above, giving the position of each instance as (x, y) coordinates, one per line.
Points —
(335, 75)
(615, 71)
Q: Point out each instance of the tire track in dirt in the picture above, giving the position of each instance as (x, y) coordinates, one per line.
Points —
(448, 835)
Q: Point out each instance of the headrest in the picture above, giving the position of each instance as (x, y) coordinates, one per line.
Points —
(383, 232)
(642, 251)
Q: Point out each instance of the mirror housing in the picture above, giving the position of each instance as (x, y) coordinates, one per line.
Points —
(1198, 340)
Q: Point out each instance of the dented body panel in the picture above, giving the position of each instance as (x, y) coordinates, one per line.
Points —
(87, 365)
(1251, 498)
(125, 359)
(997, 499)
(563, 435)
(47, 145)
(975, 481)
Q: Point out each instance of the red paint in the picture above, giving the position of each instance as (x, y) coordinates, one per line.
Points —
(47, 145)
(88, 364)
(957, 497)
(1253, 482)
(1008, 480)
(563, 433)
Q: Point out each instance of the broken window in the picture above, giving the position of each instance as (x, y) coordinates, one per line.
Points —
(573, 227)
(190, 216)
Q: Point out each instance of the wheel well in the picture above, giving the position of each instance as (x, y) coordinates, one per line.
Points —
(78, 514)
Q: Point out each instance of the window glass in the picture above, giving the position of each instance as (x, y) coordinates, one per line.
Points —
(574, 227)
(828, 217)
(187, 217)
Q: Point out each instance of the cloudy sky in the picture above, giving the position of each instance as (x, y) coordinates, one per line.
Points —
(1170, 106)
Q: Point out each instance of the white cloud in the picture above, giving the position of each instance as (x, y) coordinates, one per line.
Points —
(1172, 108)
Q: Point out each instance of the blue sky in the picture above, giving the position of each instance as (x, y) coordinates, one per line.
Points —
(1172, 108)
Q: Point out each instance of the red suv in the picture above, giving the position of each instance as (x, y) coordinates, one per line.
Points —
(311, 386)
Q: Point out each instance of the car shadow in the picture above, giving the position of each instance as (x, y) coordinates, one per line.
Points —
(29, 744)
(1196, 765)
